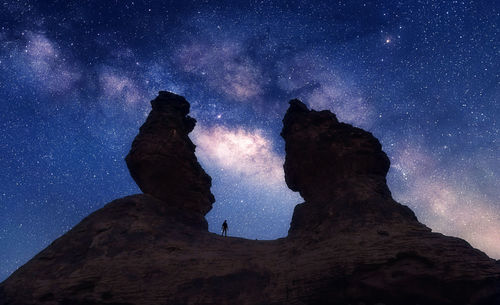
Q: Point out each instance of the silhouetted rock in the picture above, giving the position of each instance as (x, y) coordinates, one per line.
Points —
(349, 243)
(162, 160)
(320, 152)
(340, 171)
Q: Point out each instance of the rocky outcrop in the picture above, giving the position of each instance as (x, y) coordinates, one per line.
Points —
(340, 171)
(349, 243)
(162, 160)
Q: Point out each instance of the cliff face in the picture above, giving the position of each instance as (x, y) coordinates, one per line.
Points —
(349, 243)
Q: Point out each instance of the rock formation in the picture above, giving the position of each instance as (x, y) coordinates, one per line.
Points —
(340, 171)
(349, 243)
(162, 160)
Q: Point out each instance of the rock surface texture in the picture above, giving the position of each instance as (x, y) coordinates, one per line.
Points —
(349, 242)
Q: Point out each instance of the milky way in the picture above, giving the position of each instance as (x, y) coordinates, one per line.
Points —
(76, 80)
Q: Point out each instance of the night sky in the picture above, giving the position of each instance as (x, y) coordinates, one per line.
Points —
(76, 78)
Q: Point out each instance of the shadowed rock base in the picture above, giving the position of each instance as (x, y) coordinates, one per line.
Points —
(349, 243)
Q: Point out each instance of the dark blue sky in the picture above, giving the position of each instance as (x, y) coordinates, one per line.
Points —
(76, 79)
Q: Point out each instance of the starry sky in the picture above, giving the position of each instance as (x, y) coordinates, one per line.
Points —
(76, 78)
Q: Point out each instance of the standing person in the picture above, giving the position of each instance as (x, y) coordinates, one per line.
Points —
(224, 228)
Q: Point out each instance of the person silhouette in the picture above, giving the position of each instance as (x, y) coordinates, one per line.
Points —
(224, 228)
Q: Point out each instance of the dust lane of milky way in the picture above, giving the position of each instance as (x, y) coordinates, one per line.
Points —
(76, 80)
